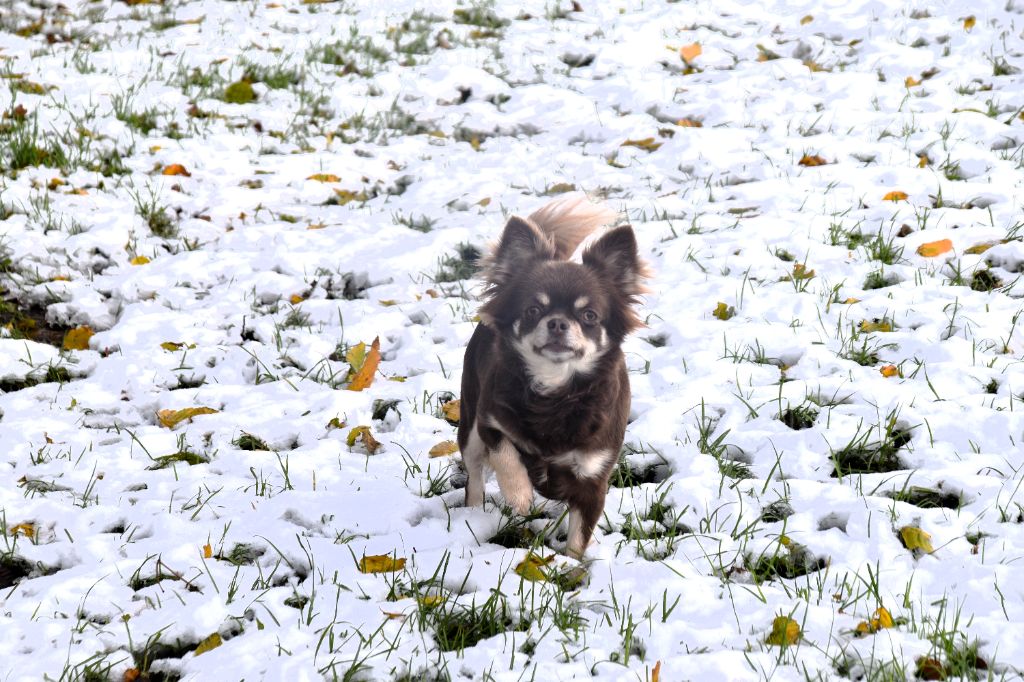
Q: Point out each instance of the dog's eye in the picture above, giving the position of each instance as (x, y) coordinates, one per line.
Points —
(589, 316)
(533, 311)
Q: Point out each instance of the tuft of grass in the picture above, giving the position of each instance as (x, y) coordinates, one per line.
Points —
(26, 147)
(247, 441)
(462, 265)
(876, 279)
(788, 560)
(156, 215)
(799, 417)
(862, 455)
(182, 456)
(927, 498)
(780, 510)
(984, 280)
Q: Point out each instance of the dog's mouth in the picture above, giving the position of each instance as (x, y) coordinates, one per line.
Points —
(560, 349)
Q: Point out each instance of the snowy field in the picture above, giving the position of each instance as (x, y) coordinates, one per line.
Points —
(219, 206)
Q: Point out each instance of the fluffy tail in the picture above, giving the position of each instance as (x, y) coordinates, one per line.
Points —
(569, 220)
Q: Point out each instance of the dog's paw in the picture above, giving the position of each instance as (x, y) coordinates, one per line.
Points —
(520, 499)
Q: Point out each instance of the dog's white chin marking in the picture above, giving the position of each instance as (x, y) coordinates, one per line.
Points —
(551, 369)
(513, 478)
(585, 464)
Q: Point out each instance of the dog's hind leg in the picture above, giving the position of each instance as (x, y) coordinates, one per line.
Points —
(584, 514)
(474, 454)
(513, 478)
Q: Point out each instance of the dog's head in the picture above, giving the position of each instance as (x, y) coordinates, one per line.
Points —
(560, 316)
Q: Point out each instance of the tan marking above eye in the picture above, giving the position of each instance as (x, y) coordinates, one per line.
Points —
(581, 302)
(543, 299)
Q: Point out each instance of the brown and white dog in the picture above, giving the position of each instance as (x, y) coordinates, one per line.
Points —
(545, 392)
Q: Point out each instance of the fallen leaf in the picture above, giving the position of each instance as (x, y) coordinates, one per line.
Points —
(532, 567)
(785, 631)
(969, 22)
(980, 248)
(911, 82)
(362, 434)
(895, 195)
(131, 675)
(915, 538)
(869, 327)
(689, 123)
(207, 551)
(690, 52)
(923, 161)
(815, 160)
(176, 169)
(365, 372)
(54, 183)
(27, 530)
(324, 177)
(171, 418)
(647, 144)
(851, 300)
(930, 669)
(881, 618)
(388, 302)
(380, 563)
(209, 644)
(444, 448)
(806, 19)
(239, 92)
(78, 338)
(656, 672)
(723, 312)
(889, 371)
(176, 345)
(296, 299)
(800, 272)
(937, 248)
(450, 411)
(139, 260)
(336, 423)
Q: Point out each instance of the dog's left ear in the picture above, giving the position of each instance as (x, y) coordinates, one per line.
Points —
(616, 257)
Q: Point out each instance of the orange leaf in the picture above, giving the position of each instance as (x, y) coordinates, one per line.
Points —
(656, 672)
(364, 377)
(969, 23)
(809, 160)
(78, 338)
(171, 418)
(937, 248)
(207, 551)
(131, 675)
(647, 144)
(445, 447)
(911, 82)
(889, 371)
(690, 52)
(176, 169)
(895, 195)
(296, 299)
(689, 123)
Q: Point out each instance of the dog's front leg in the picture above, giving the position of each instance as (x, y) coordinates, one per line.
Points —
(513, 478)
(584, 513)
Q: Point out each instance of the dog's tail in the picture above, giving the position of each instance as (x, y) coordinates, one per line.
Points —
(570, 219)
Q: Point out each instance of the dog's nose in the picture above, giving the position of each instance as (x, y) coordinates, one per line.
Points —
(558, 325)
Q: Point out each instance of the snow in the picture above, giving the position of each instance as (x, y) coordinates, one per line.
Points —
(266, 276)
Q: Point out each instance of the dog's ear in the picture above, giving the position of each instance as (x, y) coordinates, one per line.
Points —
(615, 256)
(521, 245)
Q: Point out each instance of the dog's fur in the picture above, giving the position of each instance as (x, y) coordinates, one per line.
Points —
(545, 393)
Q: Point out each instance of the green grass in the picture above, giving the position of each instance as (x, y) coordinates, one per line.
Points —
(463, 264)
(865, 455)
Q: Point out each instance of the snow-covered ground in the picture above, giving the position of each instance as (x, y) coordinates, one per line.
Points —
(823, 471)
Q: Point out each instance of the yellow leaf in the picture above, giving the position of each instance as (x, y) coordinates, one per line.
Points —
(806, 19)
(153, 149)
(881, 619)
(647, 144)
(431, 600)
(690, 52)
(362, 434)
(875, 326)
(923, 161)
(450, 411)
(785, 631)
(800, 272)
(78, 338)
(723, 312)
(388, 302)
(355, 356)
(54, 183)
(444, 448)
(937, 248)
(915, 538)
(209, 644)
(809, 160)
(296, 299)
(656, 672)
(26, 529)
(345, 196)
(380, 563)
(911, 82)
(851, 300)
(474, 142)
(895, 195)
(689, 123)
(207, 551)
(980, 248)
(139, 260)
(889, 371)
(324, 177)
(176, 169)
(863, 628)
(176, 345)
(364, 375)
(532, 567)
(336, 423)
(969, 23)
(484, 203)
(171, 418)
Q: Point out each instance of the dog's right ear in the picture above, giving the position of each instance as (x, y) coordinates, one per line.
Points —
(522, 244)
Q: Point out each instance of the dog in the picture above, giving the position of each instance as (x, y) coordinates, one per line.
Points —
(545, 391)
